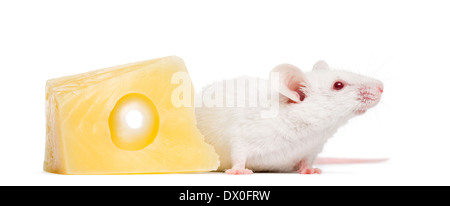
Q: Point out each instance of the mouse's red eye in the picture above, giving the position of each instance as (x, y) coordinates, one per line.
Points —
(338, 85)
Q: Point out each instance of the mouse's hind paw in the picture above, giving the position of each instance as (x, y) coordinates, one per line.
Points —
(238, 172)
(310, 171)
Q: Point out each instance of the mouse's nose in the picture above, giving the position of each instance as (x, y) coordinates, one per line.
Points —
(380, 87)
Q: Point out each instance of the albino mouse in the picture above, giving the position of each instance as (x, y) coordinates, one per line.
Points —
(312, 106)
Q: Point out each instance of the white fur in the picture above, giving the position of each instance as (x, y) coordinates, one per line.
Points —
(243, 139)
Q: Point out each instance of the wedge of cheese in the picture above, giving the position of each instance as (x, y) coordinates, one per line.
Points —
(124, 120)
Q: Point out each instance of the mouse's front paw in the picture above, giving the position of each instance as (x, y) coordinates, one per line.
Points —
(238, 172)
(310, 171)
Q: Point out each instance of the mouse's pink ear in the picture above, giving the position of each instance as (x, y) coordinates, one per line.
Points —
(291, 80)
(321, 65)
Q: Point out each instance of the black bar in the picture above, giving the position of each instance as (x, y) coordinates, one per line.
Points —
(213, 195)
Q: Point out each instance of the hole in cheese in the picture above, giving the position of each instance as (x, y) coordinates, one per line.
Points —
(134, 119)
(133, 122)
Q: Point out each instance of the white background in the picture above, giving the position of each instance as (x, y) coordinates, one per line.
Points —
(403, 43)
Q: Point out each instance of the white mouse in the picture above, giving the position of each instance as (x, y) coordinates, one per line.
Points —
(312, 107)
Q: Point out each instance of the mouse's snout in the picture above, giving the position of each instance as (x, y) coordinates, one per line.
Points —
(369, 95)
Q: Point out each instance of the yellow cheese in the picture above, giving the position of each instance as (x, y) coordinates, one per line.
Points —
(122, 120)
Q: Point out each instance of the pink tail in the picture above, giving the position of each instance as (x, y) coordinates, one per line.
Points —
(321, 161)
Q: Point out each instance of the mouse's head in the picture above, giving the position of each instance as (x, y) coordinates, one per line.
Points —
(344, 93)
